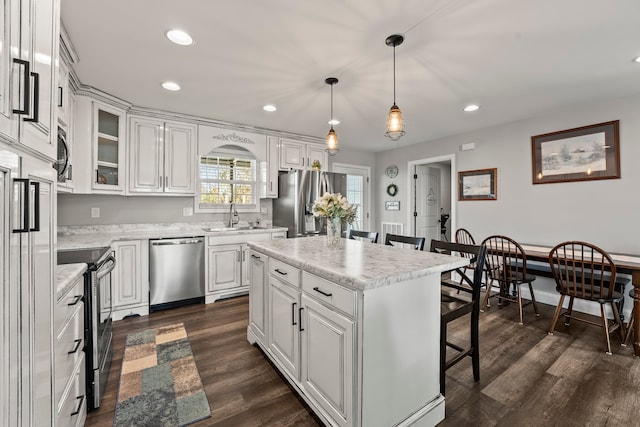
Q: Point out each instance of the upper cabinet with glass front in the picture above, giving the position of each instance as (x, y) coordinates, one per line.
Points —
(29, 32)
(108, 150)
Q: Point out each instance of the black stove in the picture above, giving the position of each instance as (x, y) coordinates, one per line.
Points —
(88, 256)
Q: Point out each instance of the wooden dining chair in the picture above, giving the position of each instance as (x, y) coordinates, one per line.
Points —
(584, 271)
(398, 240)
(370, 236)
(454, 306)
(631, 324)
(464, 237)
(506, 266)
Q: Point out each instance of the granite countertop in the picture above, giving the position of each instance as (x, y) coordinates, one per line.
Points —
(66, 276)
(357, 264)
(81, 237)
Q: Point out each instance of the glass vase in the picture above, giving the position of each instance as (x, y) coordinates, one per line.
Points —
(334, 229)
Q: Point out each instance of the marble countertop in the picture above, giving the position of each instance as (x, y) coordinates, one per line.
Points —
(357, 264)
(66, 276)
(81, 237)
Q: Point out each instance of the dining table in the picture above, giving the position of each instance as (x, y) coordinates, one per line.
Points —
(626, 264)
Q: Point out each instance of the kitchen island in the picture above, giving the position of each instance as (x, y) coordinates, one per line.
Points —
(355, 330)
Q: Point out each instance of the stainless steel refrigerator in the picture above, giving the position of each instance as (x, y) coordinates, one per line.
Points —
(297, 190)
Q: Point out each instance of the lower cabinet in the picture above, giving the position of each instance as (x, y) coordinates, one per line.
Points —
(310, 334)
(70, 392)
(130, 287)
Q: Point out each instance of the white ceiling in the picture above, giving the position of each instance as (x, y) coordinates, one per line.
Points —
(515, 58)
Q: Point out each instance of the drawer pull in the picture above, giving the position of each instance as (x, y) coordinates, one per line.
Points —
(76, 299)
(300, 317)
(76, 347)
(322, 292)
(77, 411)
(293, 313)
(284, 273)
(255, 256)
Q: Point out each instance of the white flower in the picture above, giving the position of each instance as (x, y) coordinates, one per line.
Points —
(334, 206)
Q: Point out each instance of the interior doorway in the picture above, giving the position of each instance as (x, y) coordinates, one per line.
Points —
(432, 197)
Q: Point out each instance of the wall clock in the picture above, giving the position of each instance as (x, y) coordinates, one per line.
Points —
(392, 171)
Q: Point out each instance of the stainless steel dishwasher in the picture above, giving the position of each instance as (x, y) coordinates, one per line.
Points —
(176, 272)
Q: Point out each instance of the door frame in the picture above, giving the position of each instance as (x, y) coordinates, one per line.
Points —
(366, 222)
(451, 158)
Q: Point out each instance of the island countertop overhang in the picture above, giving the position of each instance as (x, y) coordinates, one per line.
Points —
(357, 264)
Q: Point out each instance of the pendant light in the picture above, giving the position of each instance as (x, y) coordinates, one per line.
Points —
(332, 137)
(395, 123)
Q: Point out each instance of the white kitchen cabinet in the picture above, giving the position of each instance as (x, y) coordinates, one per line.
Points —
(271, 168)
(70, 400)
(66, 184)
(27, 185)
(327, 350)
(29, 30)
(227, 266)
(130, 284)
(99, 147)
(301, 155)
(62, 94)
(259, 290)
(284, 325)
(162, 157)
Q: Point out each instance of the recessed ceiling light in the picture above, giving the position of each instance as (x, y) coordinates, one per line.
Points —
(172, 86)
(270, 108)
(637, 59)
(334, 122)
(471, 107)
(179, 37)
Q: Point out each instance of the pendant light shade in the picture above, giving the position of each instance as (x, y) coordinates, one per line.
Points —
(395, 122)
(332, 137)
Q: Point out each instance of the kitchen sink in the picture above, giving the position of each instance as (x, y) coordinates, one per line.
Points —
(241, 228)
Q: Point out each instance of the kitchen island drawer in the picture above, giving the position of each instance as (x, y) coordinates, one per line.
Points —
(285, 272)
(330, 293)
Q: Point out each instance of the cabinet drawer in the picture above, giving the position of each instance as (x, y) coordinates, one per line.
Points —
(335, 295)
(238, 238)
(68, 350)
(67, 305)
(284, 272)
(73, 407)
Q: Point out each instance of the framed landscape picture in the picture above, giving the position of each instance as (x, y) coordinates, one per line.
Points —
(478, 184)
(580, 154)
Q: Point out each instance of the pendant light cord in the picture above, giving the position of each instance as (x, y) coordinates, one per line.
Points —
(331, 106)
(394, 74)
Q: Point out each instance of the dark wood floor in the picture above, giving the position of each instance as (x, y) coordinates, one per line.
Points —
(527, 377)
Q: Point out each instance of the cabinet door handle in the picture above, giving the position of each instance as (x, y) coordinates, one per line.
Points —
(36, 207)
(76, 299)
(36, 98)
(320, 291)
(255, 256)
(300, 318)
(293, 313)
(284, 273)
(60, 96)
(75, 347)
(243, 256)
(26, 86)
(166, 181)
(25, 205)
(77, 411)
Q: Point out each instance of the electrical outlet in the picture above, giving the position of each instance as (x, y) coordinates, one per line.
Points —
(187, 211)
(95, 212)
(264, 211)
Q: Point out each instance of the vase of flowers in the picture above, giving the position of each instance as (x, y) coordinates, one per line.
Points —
(336, 208)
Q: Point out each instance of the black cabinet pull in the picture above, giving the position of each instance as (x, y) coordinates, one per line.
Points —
(77, 411)
(36, 98)
(75, 348)
(293, 313)
(25, 210)
(26, 86)
(322, 292)
(60, 96)
(300, 317)
(255, 256)
(36, 207)
(76, 299)
(284, 273)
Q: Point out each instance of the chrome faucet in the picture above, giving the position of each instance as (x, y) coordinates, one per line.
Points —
(234, 218)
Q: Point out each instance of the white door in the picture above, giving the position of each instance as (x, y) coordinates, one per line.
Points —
(179, 158)
(224, 267)
(9, 87)
(127, 275)
(358, 192)
(427, 203)
(284, 327)
(146, 172)
(258, 294)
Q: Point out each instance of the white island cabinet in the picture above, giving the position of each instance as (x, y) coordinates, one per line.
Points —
(355, 330)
